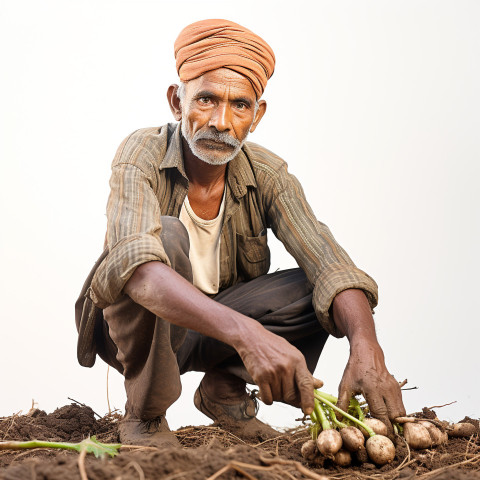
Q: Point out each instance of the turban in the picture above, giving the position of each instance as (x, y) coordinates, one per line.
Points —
(211, 44)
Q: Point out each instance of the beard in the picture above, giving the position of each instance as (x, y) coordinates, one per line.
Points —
(215, 156)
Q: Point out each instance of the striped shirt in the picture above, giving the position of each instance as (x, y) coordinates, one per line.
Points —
(149, 180)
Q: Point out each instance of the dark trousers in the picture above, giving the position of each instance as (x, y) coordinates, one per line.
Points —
(152, 353)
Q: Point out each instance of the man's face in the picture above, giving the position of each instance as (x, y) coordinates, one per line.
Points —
(218, 112)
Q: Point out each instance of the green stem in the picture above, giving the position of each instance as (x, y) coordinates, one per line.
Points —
(334, 418)
(90, 445)
(314, 430)
(320, 413)
(38, 444)
(315, 427)
(328, 396)
(319, 396)
(356, 406)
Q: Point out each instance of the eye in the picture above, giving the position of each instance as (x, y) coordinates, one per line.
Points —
(204, 100)
(241, 106)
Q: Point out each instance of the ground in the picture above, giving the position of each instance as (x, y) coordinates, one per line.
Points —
(209, 452)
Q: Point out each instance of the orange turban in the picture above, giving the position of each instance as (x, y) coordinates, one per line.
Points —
(211, 44)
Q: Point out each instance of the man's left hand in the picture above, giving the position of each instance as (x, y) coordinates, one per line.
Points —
(367, 374)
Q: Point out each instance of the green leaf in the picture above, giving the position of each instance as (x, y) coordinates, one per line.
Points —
(92, 445)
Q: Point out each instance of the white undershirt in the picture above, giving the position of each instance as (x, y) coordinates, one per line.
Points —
(204, 246)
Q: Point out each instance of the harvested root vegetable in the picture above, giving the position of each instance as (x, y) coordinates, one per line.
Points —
(461, 430)
(334, 434)
(436, 435)
(318, 460)
(309, 450)
(342, 458)
(380, 449)
(417, 436)
(329, 442)
(376, 425)
(353, 439)
(361, 455)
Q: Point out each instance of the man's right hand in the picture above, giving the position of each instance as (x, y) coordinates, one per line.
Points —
(278, 368)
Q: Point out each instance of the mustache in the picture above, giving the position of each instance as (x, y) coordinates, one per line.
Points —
(216, 136)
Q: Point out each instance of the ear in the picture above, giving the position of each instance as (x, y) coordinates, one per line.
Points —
(174, 102)
(262, 108)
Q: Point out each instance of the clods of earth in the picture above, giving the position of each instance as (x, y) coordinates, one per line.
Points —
(208, 452)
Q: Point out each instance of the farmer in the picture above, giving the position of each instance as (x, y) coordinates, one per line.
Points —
(183, 285)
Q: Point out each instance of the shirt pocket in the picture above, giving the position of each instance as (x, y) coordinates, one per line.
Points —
(253, 255)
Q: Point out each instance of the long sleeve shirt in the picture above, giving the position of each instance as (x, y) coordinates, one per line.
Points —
(149, 180)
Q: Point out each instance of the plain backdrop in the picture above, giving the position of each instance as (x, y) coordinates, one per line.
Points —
(375, 107)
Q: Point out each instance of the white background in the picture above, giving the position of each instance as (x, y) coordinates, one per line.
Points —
(375, 106)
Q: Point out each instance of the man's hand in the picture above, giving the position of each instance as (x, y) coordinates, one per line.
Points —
(279, 369)
(365, 372)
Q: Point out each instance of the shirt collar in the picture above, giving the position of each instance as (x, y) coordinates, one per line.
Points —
(174, 156)
(239, 171)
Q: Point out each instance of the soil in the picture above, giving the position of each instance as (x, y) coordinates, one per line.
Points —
(209, 452)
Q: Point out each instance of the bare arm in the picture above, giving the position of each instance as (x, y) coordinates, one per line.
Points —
(365, 372)
(276, 366)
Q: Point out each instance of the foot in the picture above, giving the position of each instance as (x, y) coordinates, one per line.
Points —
(220, 398)
(149, 433)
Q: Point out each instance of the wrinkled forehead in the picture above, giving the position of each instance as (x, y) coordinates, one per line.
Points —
(222, 82)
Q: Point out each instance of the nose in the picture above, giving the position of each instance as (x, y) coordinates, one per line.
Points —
(221, 117)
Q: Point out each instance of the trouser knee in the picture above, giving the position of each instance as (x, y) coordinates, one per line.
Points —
(176, 242)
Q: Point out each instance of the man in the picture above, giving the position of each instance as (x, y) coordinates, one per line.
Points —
(182, 284)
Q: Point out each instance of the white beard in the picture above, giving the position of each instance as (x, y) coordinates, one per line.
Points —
(215, 158)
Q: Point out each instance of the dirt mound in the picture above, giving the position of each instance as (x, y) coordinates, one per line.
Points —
(68, 423)
(209, 452)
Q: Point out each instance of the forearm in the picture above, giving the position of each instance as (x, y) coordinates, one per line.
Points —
(165, 293)
(353, 317)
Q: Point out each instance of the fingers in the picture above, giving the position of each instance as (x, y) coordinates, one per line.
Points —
(269, 384)
(289, 391)
(394, 402)
(378, 409)
(265, 393)
(304, 381)
(344, 395)
(317, 383)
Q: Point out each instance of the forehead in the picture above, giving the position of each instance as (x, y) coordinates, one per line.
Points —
(222, 82)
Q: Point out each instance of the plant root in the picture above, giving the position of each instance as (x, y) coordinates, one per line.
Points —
(81, 465)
